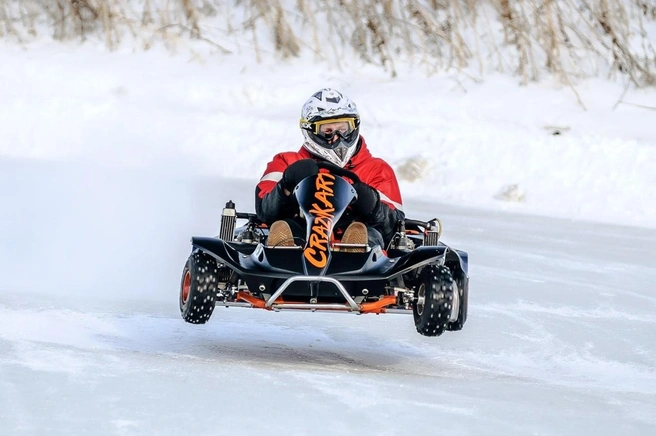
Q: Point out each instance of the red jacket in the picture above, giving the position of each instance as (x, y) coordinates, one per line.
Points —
(373, 171)
(272, 204)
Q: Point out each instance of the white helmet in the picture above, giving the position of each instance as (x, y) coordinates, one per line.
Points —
(330, 123)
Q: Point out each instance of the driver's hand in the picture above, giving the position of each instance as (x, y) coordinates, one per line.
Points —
(368, 199)
(298, 171)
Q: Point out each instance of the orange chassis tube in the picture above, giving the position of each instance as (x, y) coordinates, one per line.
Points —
(372, 307)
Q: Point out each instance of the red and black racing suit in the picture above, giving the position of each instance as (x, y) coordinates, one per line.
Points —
(272, 204)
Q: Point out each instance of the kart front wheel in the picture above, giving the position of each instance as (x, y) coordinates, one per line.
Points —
(434, 300)
(198, 288)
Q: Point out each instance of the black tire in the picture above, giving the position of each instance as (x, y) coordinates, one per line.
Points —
(433, 300)
(463, 289)
(198, 288)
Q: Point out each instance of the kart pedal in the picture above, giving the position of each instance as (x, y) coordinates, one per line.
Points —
(356, 233)
(280, 235)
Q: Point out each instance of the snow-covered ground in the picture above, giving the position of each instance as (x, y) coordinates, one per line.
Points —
(450, 139)
(110, 162)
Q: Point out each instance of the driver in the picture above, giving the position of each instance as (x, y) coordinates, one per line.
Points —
(330, 124)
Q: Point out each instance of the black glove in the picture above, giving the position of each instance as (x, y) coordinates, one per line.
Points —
(298, 171)
(367, 201)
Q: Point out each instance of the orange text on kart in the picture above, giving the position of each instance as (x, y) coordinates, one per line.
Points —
(323, 210)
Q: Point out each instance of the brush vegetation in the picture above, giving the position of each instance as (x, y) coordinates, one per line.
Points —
(565, 39)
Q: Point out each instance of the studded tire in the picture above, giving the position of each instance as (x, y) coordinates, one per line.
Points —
(198, 288)
(434, 299)
(463, 290)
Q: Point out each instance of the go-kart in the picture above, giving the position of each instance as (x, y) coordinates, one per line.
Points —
(415, 274)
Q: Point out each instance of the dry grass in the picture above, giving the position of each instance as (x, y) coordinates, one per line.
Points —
(566, 39)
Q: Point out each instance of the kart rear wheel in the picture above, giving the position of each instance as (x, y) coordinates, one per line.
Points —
(198, 288)
(463, 290)
(434, 300)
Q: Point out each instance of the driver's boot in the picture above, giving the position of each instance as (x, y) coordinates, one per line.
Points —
(280, 235)
(355, 233)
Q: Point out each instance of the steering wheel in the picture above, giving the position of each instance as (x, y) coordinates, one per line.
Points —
(339, 171)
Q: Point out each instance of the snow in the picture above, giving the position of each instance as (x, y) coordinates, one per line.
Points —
(468, 140)
(109, 162)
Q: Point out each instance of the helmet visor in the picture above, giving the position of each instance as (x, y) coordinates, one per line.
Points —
(327, 128)
(331, 132)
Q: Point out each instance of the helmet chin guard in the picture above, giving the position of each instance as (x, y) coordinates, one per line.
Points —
(340, 155)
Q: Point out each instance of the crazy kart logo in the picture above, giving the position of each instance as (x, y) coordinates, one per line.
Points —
(323, 212)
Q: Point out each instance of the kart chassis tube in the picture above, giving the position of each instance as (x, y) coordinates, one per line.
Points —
(351, 302)
(270, 304)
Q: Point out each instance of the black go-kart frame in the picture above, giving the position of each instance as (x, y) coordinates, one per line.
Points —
(416, 274)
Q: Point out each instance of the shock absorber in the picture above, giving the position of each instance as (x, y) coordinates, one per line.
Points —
(228, 222)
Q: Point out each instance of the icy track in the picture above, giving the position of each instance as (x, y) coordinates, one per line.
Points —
(560, 339)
